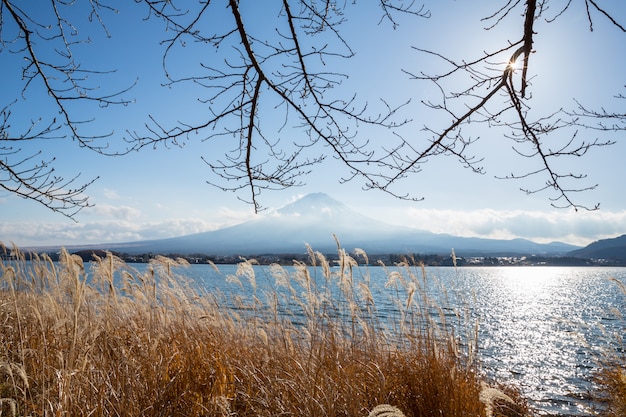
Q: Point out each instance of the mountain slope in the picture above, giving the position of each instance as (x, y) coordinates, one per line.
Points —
(614, 248)
(314, 219)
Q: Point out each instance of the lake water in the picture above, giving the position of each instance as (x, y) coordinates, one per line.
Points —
(540, 328)
(545, 328)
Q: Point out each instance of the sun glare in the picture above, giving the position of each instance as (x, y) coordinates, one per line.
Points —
(529, 283)
(512, 65)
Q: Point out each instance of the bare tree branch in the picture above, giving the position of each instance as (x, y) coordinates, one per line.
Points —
(49, 64)
(511, 113)
(286, 73)
(277, 98)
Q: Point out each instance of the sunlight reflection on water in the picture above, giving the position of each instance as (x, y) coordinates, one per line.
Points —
(544, 327)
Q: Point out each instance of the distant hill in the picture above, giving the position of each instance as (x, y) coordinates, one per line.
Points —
(610, 249)
(314, 219)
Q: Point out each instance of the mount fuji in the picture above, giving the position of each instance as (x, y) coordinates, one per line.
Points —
(314, 220)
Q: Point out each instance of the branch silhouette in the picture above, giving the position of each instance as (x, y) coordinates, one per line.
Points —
(275, 104)
(64, 81)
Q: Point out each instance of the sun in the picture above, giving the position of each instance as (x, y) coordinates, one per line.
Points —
(512, 66)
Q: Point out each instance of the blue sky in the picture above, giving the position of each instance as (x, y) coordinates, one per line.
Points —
(162, 192)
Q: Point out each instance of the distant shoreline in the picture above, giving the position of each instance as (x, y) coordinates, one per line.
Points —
(372, 260)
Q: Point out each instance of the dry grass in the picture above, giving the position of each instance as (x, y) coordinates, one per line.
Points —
(613, 381)
(105, 340)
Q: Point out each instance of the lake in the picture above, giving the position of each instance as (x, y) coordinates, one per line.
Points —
(542, 329)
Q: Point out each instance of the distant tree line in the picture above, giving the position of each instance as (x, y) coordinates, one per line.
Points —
(415, 259)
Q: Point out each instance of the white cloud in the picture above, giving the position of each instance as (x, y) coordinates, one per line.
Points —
(123, 224)
(228, 217)
(111, 194)
(579, 228)
(114, 224)
(107, 211)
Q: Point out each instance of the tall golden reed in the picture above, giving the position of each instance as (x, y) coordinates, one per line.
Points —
(103, 339)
